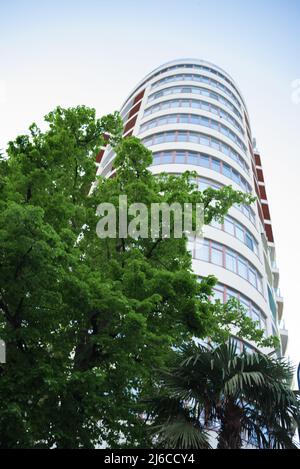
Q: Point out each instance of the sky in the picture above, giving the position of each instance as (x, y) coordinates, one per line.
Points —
(94, 52)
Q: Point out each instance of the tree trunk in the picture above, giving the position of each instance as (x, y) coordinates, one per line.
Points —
(230, 433)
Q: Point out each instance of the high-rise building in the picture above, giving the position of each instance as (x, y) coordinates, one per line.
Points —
(192, 116)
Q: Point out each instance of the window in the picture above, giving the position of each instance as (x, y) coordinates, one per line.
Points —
(167, 158)
(230, 262)
(204, 161)
(259, 284)
(159, 138)
(174, 103)
(218, 295)
(252, 276)
(194, 137)
(186, 89)
(236, 177)
(229, 226)
(172, 119)
(227, 171)
(242, 269)
(204, 121)
(180, 157)
(249, 242)
(246, 304)
(197, 120)
(255, 315)
(156, 159)
(202, 251)
(184, 118)
(231, 293)
(216, 165)
(239, 233)
(204, 140)
(169, 137)
(216, 255)
(215, 144)
(193, 159)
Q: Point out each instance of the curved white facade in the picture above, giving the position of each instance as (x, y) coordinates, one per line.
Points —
(192, 116)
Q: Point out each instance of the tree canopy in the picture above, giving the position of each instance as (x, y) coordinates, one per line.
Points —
(88, 321)
(213, 394)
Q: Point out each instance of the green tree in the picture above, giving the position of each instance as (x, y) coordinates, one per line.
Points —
(241, 398)
(87, 321)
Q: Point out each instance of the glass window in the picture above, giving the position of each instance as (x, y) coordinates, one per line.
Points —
(231, 293)
(229, 226)
(172, 119)
(242, 269)
(184, 118)
(214, 125)
(205, 106)
(194, 137)
(218, 295)
(147, 141)
(185, 103)
(193, 158)
(249, 242)
(162, 120)
(169, 137)
(204, 121)
(227, 170)
(246, 304)
(216, 255)
(202, 251)
(159, 138)
(252, 276)
(205, 93)
(156, 159)
(255, 314)
(167, 158)
(239, 233)
(216, 165)
(236, 176)
(224, 131)
(225, 150)
(230, 262)
(194, 119)
(204, 140)
(180, 157)
(215, 144)
(204, 161)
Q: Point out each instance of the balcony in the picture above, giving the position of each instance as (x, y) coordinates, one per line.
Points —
(275, 272)
(279, 301)
(283, 337)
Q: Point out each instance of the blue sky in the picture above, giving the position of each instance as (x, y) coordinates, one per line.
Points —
(93, 52)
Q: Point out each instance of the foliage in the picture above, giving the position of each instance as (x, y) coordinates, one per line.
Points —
(87, 321)
(241, 398)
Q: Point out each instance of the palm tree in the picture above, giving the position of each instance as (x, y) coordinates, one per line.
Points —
(242, 397)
